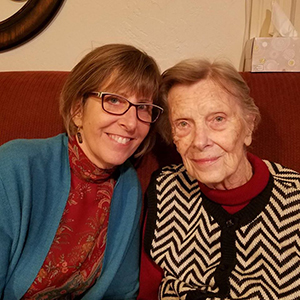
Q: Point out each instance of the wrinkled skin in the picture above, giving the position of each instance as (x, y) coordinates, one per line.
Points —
(210, 131)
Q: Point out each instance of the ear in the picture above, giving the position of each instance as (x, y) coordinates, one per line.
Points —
(248, 139)
(250, 119)
(77, 115)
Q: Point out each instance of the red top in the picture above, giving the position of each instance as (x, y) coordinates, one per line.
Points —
(235, 199)
(231, 200)
(75, 258)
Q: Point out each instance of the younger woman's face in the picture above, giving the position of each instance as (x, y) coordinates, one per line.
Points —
(109, 140)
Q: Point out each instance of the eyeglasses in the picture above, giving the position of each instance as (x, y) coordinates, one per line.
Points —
(117, 105)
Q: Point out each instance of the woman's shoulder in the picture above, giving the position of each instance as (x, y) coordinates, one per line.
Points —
(282, 175)
(24, 149)
(278, 169)
(169, 170)
(34, 143)
(173, 173)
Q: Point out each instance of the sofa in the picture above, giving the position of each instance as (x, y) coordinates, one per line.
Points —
(29, 109)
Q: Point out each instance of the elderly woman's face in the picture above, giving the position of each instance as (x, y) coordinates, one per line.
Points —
(109, 140)
(210, 133)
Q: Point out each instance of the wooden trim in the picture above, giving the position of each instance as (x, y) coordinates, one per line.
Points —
(27, 22)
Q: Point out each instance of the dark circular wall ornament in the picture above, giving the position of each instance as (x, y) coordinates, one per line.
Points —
(27, 22)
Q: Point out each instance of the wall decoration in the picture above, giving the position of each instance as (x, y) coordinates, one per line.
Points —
(27, 22)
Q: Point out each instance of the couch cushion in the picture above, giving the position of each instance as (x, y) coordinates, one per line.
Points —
(278, 135)
(29, 104)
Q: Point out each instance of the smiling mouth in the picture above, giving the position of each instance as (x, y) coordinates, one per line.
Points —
(206, 161)
(119, 139)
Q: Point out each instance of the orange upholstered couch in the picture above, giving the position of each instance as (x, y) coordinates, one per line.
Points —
(29, 109)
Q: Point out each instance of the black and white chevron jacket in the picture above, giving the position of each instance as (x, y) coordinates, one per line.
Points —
(207, 253)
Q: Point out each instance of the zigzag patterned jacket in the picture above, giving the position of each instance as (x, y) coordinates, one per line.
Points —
(207, 253)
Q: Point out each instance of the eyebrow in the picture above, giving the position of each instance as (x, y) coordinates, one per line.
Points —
(145, 100)
(125, 95)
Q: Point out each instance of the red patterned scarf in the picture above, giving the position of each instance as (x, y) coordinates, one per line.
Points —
(75, 258)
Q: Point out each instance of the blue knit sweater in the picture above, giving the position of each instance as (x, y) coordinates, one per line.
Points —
(34, 187)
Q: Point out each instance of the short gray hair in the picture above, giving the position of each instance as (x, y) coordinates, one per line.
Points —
(191, 71)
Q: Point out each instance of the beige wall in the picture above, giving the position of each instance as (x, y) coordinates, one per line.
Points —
(261, 10)
(169, 30)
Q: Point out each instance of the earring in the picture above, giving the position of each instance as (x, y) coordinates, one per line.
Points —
(79, 136)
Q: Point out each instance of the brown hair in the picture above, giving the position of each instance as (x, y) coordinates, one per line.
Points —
(111, 66)
(191, 71)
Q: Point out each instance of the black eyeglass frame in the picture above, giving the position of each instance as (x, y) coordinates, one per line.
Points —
(102, 94)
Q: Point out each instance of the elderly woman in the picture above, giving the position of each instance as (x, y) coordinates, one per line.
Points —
(70, 204)
(224, 224)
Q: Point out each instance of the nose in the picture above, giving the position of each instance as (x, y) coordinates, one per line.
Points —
(201, 137)
(129, 120)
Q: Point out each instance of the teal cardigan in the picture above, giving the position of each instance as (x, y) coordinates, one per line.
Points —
(34, 187)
